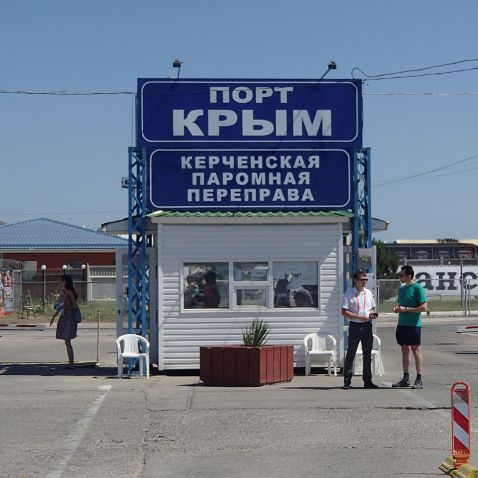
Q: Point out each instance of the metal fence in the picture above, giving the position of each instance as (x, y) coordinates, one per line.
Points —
(27, 295)
(442, 296)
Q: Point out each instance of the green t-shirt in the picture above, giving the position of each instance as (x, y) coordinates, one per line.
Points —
(412, 295)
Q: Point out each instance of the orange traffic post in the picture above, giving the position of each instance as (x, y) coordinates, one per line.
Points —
(460, 430)
(460, 422)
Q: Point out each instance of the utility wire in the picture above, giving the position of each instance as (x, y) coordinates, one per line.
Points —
(423, 93)
(65, 93)
(133, 93)
(414, 176)
(434, 176)
(50, 213)
(438, 73)
(413, 70)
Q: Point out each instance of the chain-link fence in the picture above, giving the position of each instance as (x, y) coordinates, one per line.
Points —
(33, 295)
(443, 295)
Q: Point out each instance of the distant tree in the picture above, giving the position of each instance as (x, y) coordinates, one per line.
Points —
(387, 264)
(387, 268)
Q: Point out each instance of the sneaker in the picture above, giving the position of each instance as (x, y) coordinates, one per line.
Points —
(347, 386)
(418, 385)
(370, 385)
(402, 384)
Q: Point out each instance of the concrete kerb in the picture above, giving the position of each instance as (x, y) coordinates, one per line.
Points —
(464, 471)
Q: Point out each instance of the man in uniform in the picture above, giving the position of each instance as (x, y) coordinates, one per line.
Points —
(358, 306)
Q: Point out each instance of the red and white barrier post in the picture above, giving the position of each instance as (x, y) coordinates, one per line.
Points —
(460, 422)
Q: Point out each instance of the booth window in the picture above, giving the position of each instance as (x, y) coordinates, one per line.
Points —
(251, 297)
(206, 285)
(251, 284)
(295, 284)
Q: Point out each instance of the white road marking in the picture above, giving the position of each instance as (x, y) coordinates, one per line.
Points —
(473, 334)
(73, 440)
(3, 370)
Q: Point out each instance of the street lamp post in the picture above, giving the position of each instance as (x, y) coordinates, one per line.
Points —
(43, 268)
(84, 279)
(462, 285)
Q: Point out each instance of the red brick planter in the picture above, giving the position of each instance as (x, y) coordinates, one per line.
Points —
(238, 365)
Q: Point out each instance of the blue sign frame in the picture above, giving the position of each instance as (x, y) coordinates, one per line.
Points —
(250, 179)
(249, 118)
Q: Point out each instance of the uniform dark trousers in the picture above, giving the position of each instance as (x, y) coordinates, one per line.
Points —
(359, 332)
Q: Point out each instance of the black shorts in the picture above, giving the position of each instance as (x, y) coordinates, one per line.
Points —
(408, 335)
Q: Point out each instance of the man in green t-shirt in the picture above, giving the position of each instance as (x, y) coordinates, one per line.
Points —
(411, 303)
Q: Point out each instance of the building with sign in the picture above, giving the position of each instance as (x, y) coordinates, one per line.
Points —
(250, 185)
(434, 250)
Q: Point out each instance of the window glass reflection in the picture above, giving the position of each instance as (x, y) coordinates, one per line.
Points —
(295, 284)
(251, 297)
(251, 271)
(206, 285)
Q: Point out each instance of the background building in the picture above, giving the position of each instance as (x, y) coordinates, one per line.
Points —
(437, 251)
(34, 254)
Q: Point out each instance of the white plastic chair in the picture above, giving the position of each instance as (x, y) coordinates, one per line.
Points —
(377, 364)
(319, 346)
(127, 346)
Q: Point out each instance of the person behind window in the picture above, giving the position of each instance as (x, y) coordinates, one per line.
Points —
(212, 298)
(190, 292)
(303, 298)
(281, 293)
(238, 272)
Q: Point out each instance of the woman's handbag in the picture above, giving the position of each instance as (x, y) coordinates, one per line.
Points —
(78, 316)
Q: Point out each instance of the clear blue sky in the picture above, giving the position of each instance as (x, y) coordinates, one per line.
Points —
(63, 156)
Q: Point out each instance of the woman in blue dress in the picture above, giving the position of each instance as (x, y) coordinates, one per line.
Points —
(67, 323)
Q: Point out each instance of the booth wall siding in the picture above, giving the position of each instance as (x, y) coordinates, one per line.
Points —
(182, 332)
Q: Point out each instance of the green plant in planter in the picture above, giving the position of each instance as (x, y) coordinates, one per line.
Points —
(256, 334)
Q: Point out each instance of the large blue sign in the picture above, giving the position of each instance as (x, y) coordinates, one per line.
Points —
(250, 179)
(239, 121)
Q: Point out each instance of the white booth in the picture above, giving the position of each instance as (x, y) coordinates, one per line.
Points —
(283, 149)
(285, 268)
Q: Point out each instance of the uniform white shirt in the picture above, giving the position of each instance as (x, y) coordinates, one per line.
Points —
(360, 303)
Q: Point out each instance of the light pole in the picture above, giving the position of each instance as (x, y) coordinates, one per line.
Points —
(43, 268)
(331, 66)
(84, 280)
(462, 285)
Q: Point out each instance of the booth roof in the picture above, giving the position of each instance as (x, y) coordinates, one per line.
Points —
(345, 214)
(121, 226)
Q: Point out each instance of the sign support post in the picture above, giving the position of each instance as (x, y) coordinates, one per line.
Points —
(362, 219)
(138, 270)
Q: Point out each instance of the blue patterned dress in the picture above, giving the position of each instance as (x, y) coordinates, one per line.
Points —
(67, 325)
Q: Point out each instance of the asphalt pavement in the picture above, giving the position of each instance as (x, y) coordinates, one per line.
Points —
(85, 422)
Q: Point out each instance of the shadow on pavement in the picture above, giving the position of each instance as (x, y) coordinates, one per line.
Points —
(56, 369)
(312, 387)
